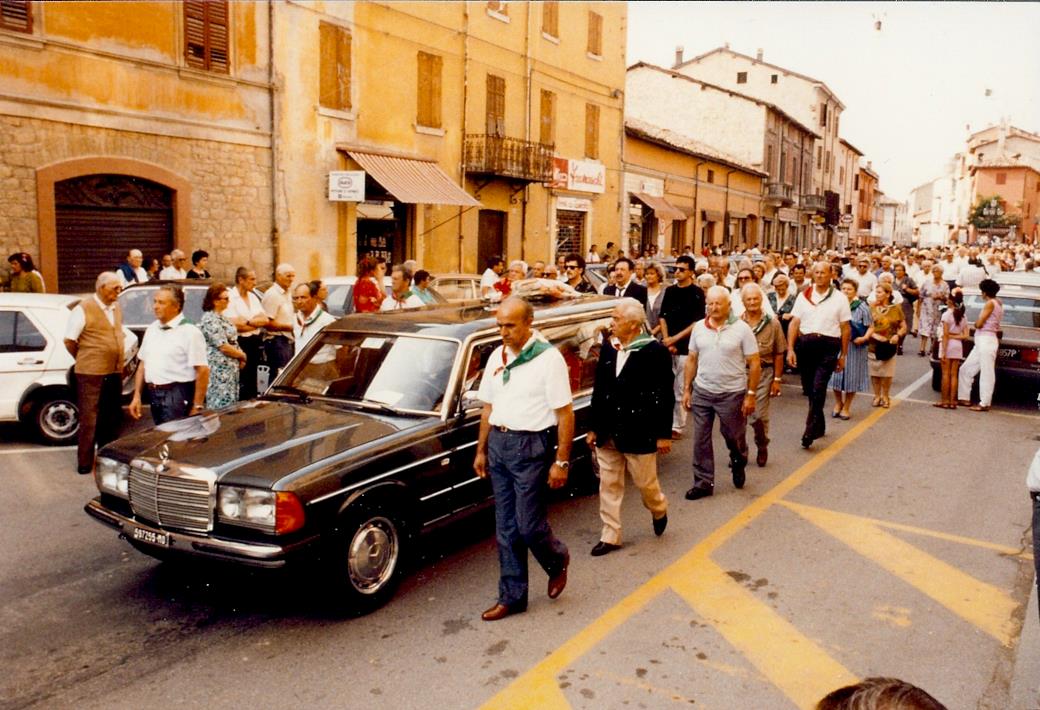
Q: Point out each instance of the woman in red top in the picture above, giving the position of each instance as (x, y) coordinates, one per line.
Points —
(368, 295)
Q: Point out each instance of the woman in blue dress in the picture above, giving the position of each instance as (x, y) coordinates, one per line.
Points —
(854, 377)
(224, 356)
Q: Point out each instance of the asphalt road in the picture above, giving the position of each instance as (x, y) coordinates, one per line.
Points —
(898, 545)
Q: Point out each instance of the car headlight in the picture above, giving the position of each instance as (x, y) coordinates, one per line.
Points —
(113, 477)
(273, 511)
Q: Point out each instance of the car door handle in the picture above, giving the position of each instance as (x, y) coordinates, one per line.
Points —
(30, 361)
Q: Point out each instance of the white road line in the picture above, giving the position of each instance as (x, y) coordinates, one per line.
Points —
(37, 449)
(909, 389)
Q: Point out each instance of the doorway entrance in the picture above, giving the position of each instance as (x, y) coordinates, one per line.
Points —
(491, 236)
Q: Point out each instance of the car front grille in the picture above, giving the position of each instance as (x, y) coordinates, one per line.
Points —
(173, 498)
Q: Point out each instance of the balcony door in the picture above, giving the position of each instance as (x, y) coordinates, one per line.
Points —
(491, 236)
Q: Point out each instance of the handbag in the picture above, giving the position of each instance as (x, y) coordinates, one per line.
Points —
(883, 350)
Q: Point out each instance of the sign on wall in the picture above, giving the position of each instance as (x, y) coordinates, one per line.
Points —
(578, 175)
(347, 186)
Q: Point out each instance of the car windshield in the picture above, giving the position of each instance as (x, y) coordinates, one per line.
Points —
(136, 304)
(1018, 311)
(401, 373)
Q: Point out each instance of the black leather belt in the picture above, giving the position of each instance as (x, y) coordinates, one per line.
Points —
(507, 430)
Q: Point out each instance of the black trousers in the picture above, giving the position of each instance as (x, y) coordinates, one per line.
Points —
(253, 347)
(817, 358)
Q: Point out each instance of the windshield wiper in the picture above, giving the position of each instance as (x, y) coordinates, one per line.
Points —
(300, 395)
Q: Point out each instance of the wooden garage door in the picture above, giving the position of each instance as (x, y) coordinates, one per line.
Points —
(100, 218)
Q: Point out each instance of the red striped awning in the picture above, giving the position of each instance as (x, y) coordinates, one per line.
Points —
(413, 181)
(662, 208)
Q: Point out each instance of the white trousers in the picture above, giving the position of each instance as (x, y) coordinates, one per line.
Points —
(981, 361)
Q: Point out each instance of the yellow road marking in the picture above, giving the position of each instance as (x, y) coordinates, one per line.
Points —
(790, 660)
(981, 604)
(537, 688)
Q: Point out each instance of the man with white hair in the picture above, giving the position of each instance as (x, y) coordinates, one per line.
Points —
(720, 380)
(94, 335)
(772, 346)
(176, 268)
(277, 305)
(631, 419)
(132, 271)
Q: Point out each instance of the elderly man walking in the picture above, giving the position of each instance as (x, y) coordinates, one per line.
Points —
(772, 347)
(94, 336)
(526, 429)
(173, 362)
(817, 341)
(720, 379)
(631, 419)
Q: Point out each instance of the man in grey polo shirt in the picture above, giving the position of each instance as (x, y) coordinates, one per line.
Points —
(720, 379)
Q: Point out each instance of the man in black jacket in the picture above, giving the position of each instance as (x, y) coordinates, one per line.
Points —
(624, 282)
(631, 423)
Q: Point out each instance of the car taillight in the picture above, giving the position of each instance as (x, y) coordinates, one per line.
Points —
(1030, 355)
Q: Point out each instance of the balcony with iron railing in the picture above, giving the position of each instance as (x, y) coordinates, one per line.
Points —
(508, 157)
(813, 203)
(779, 193)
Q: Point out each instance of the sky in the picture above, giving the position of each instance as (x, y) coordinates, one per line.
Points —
(909, 89)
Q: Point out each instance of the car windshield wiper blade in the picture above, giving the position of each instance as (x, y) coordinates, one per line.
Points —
(302, 396)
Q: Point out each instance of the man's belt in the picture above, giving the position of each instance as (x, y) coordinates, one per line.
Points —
(168, 386)
(507, 430)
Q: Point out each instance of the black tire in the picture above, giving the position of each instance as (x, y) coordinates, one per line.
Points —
(55, 418)
(366, 558)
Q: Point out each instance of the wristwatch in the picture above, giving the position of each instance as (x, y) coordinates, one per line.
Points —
(565, 465)
(751, 391)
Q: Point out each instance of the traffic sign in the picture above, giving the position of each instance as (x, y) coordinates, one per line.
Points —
(846, 219)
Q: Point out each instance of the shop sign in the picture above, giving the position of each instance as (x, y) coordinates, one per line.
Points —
(578, 175)
(574, 204)
(787, 214)
(347, 186)
(846, 219)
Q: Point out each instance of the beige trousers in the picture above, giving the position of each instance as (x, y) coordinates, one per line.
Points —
(612, 467)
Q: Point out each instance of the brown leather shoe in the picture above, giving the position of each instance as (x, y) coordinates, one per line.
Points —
(501, 611)
(559, 580)
(763, 455)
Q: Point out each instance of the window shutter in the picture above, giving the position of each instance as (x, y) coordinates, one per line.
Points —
(343, 42)
(206, 34)
(547, 130)
(551, 18)
(595, 45)
(496, 105)
(334, 66)
(16, 15)
(436, 67)
(591, 131)
(429, 90)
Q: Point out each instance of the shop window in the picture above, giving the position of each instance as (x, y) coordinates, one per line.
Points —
(711, 175)
(428, 112)
(205, 34)
(334, 90)
(595, 45)
(1001, 178)
(741, 77)
(551, 18)
(547, 123)
(495, 106)
(591, 131)
(16, 15)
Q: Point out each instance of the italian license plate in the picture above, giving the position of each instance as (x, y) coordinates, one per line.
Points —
(151, 537)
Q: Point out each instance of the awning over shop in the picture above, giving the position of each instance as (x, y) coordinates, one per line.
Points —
(661, 207)
(711, 215)
(413, 181)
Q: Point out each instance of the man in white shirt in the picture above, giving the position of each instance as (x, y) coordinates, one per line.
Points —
(173, 362)
(277, 304)
(310, 317)
(496, 266)
(817, 341)
(132, 270)
(246, 313)
(401, 295)
(864, 277)
(527, 412)
(176, 269)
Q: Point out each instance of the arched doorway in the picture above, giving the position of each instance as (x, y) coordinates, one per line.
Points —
(98, 218)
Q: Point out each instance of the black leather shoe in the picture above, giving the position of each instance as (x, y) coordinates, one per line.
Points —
(501, 611)
(603, 548)
(738, 474)
(698, 493)
(763, 455)
(84, 470)
(660, 524)
(559, 580)
(806, 442)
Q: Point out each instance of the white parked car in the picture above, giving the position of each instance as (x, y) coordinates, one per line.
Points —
(35, 366)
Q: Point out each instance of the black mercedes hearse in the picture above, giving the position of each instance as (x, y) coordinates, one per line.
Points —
(365, 440)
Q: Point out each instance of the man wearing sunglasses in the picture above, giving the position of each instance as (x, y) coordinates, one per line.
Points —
(681, 306)
(574, 274)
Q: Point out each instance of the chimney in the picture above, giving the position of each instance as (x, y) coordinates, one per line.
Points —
(678, 55)
(758, 55)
